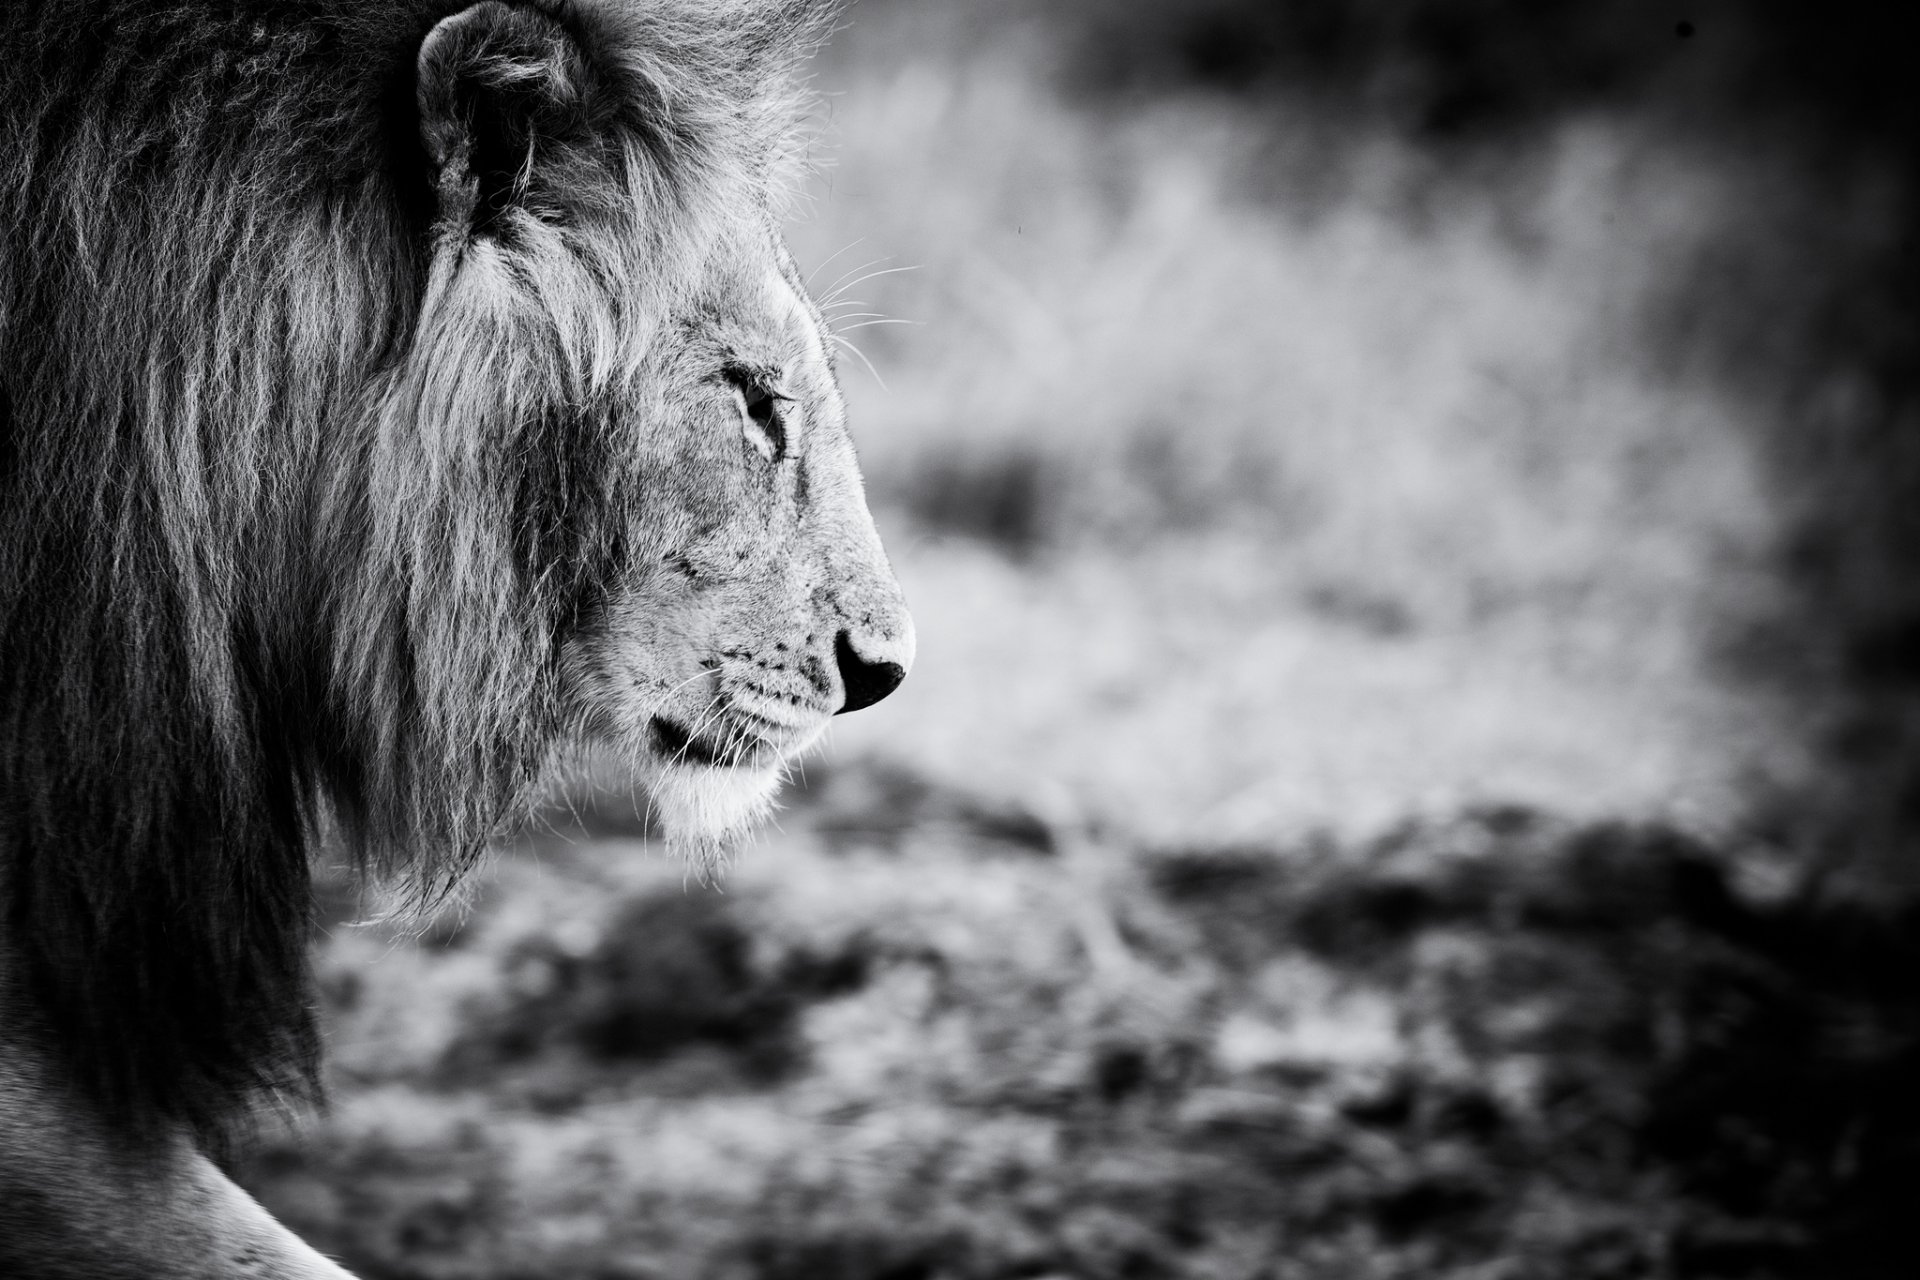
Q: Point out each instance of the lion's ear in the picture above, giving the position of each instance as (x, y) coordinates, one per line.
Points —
(507, 118)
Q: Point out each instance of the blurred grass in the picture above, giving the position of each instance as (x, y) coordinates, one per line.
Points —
(1170, 350)
(1460, 311)
(1344, 474)
(974, 1047)
(1361, 805)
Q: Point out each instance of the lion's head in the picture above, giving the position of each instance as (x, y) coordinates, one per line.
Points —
(393, 396)
(622, 357)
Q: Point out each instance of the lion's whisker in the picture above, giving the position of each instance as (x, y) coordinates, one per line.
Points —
(845, 343)
(846, 281)
(822, 265)
(868, 324)
(840, 290)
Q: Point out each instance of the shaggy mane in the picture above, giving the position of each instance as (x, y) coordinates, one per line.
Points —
(275, 478)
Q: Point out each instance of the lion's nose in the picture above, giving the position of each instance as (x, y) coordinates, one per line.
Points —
(865, 682)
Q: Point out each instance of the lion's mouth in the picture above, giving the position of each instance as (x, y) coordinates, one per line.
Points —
(722, 747)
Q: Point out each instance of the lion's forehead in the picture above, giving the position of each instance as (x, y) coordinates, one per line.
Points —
(754, 305)
(791, 323)
(813, 358)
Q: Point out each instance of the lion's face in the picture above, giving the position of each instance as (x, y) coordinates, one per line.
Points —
(614, 470)
(755, 601)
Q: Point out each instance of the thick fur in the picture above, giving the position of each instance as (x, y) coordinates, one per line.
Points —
(359, 381)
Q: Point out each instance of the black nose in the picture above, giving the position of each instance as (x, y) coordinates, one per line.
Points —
(865, 682)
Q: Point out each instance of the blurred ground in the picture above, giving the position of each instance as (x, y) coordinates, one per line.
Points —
(1404, 669)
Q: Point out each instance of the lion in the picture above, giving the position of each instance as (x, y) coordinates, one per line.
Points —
(394, 397)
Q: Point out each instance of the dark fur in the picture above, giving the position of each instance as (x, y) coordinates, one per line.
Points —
(287, 537)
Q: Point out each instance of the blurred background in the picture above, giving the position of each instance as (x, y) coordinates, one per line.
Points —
(1412, 510)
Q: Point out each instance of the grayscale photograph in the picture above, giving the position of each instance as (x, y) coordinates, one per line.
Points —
(959, 640)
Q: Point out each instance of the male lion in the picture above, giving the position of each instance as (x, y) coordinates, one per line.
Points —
(391, 394)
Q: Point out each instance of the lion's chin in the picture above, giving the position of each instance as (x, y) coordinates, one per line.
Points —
(708, 812)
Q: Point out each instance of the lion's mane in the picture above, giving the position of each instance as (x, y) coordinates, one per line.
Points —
(289, 515)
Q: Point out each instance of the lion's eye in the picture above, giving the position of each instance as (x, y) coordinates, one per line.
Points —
(764, 423)
(760, 406)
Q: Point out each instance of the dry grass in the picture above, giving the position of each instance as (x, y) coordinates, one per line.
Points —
(1310, 505)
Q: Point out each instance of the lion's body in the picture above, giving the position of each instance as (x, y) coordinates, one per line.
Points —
(390, 395)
